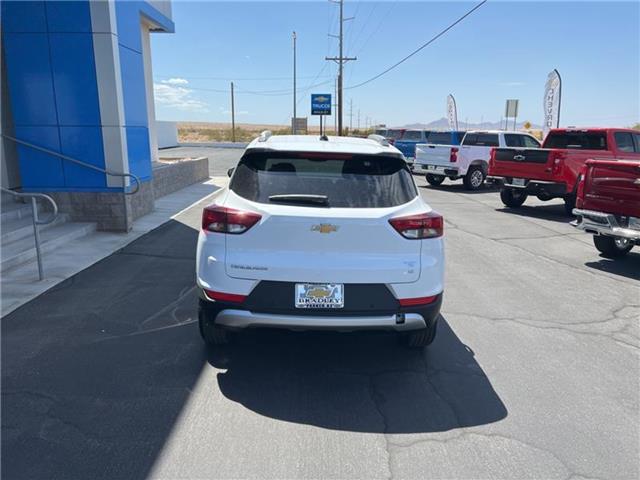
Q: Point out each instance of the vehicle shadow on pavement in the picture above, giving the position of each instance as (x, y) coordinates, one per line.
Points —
(96, 371)
(628, 266)
(458, 187)
(554, 213)
(358, 382)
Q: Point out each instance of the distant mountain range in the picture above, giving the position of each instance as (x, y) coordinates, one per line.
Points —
(443, 124)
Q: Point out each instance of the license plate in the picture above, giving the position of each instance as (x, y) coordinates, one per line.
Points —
(432, 168)
(518, 182)
(634, 223)
(319, 295)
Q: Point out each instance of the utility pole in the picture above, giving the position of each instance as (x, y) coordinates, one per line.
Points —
(358, 119)
(335, 109)
(340, 60)
(350, 115)
(233, 116)
(293, 127)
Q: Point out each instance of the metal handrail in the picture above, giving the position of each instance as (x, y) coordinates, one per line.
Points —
(36, 220)
(79, 162)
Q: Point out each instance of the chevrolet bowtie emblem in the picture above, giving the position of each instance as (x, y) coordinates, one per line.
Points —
(322, 99)
(324, 228)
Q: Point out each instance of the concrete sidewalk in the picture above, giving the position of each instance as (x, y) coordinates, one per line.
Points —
(20, 285)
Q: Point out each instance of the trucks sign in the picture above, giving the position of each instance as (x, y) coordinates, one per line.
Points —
(320, 104)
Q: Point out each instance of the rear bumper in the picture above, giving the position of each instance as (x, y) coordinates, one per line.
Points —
(532, 187)
(600, 223)
(240, 319)
(433, 169)
(401, 319)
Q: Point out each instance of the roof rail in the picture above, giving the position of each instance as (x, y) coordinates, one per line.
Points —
(379, 139)
(264, 136)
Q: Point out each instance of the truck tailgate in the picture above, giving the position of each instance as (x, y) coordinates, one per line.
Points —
(430, 154)
(612, 186)
(529, 163)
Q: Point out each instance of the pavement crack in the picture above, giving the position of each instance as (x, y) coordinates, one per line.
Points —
(377, 398)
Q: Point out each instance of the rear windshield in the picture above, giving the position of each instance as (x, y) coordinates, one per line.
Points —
(481, 139)
(412, 135)
(577, 140)
(441, 138)
(353, 181)
(394, 134)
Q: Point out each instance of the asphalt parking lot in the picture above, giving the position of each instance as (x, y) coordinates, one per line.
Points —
(534, 372)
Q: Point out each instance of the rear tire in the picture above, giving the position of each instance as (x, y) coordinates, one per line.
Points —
(612, 247)
(512, 198)
(421, 338)
(474, 179)
(434, 180)
(212, 334)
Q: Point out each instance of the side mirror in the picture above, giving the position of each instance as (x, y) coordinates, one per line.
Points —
(230, 171)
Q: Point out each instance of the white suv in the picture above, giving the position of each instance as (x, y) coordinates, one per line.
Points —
(320, 233)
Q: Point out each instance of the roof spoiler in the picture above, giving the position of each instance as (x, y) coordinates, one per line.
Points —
(379, 139)
(264, 136)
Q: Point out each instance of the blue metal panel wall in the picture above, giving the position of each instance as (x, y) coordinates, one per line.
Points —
(128, 16)
(53, 91)
(53, 88)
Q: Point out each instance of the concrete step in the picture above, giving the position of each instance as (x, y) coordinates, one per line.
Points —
(20, 251)
(21, 228)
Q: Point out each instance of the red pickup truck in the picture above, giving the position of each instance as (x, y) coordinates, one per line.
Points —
(552, 171)
(608, 205)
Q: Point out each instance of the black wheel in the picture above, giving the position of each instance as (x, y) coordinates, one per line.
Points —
(434, 179)
(612, 247)
(512, 198)
(474, 179)
(209, 331)
(421, 338)
(569, 204)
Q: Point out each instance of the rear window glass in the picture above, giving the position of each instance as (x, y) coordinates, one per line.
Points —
(395, 134)
(411, 135)
(577, 140)
(352, 181)
(624, 141)
(442, 138)
(481, 139)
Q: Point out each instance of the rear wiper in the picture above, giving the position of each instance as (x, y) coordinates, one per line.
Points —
(300, 198)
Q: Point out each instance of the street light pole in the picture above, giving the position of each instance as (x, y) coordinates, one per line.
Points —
(293, 126)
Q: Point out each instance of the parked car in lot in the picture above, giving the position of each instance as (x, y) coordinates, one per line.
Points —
(608, 204)
(407, 144)
(320, 234)
(452, 137)
(469, 160)
(394, 134)
(552, 171)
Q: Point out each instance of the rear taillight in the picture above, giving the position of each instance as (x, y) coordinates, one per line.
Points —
(453, 156)
(581, 184)
(416, 227)
(556, 166)
(224, 297)
(228, 220)
(410, 302)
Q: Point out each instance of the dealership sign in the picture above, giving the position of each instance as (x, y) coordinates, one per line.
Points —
(452, 113)
(551, 102)
(320, 104)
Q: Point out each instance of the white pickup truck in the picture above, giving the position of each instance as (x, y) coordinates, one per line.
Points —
(469, 160)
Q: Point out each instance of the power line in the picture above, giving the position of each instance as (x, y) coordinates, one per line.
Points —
(188, 77)
(433, 39)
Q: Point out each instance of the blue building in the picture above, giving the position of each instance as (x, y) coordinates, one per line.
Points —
(77, 80)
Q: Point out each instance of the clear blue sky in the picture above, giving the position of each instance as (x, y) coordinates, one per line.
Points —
(504, 50)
